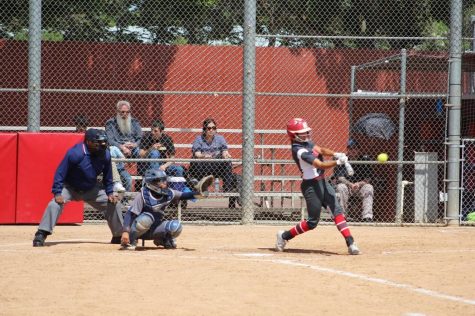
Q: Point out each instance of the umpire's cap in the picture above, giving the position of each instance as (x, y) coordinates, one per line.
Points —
(96, 135)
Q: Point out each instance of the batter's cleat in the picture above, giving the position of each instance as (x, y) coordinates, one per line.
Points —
(353, 249)
(281, 242)
(116, 240)
(39, 240)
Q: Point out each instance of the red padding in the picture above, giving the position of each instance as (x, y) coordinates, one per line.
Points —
(39, 154)
(8, 163)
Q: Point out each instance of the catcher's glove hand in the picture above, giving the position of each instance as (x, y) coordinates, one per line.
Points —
(201, 188)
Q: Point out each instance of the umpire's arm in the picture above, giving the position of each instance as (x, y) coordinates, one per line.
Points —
(107, 175)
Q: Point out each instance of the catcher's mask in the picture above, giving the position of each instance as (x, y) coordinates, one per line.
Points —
(96, 140)
(153, 179)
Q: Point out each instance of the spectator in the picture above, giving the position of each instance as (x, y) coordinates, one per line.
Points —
(210, 145)
(76, 180)
(359, 183)
(156, 144)
(124, 132)
(82, 123)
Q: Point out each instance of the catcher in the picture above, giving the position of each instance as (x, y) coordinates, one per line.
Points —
(317, 191)
(144, 218)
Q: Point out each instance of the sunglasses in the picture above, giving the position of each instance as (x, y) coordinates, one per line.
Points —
(124, 112)
(211, 128)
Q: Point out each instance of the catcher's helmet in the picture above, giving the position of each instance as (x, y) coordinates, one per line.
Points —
(296, 126)
(153, 177)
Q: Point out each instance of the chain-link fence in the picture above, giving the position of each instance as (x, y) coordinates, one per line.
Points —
(374, 73)
(467, 204)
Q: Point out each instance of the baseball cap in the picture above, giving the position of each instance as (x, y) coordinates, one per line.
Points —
(351, 143)
(96, 135)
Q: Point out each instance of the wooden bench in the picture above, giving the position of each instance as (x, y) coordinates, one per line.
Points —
(267, 176)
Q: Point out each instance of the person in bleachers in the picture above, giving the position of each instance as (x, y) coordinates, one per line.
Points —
(157, 144)
(358, 184)
(124, 133)
(212, 146)
(81, 122)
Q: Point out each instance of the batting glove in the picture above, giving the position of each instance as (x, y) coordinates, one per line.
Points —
(338, 155)
(342, 160)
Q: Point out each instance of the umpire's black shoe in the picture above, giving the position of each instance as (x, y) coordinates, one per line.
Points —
(116, 240)
(40, 238)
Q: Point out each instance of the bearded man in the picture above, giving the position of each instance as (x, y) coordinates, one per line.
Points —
(124, 131)
(124, 134)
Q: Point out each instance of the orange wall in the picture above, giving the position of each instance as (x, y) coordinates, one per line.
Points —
(77, 65)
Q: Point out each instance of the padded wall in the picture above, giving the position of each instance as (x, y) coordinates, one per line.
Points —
(39, 154)
(8, 163)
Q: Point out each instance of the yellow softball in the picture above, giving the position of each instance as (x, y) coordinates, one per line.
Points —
(383, 157)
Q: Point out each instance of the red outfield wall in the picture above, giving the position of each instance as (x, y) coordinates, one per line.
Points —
(39, 154)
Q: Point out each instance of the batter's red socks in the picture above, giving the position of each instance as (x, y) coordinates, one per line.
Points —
(300, 228)
(340, 223)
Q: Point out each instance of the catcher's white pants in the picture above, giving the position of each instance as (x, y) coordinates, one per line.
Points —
(365, 193)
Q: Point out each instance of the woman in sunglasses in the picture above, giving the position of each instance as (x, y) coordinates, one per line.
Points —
(212, 146)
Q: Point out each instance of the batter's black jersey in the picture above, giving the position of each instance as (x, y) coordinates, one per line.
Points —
(303, 155)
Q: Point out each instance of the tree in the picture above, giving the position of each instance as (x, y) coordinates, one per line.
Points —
(211, 22)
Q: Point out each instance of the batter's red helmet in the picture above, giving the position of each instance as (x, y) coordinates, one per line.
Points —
(296, 126)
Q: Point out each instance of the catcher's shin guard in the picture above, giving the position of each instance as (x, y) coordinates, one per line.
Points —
(167, 233)
(140, 226)
(173, 228)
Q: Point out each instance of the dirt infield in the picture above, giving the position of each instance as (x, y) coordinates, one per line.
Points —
(233, 270)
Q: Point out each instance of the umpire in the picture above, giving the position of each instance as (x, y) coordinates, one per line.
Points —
(76, 180)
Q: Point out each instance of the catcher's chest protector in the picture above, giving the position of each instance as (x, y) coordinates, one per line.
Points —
(152, 204)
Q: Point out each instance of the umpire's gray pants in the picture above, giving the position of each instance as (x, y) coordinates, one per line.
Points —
(96, 197)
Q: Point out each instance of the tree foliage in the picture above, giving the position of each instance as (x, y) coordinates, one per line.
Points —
(219, 22)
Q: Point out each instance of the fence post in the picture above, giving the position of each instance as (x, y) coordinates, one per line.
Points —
(454, 113)
(34, 66)
(400, 153)
(248, 111)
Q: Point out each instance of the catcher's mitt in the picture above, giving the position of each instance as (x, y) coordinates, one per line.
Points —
(201, 187)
